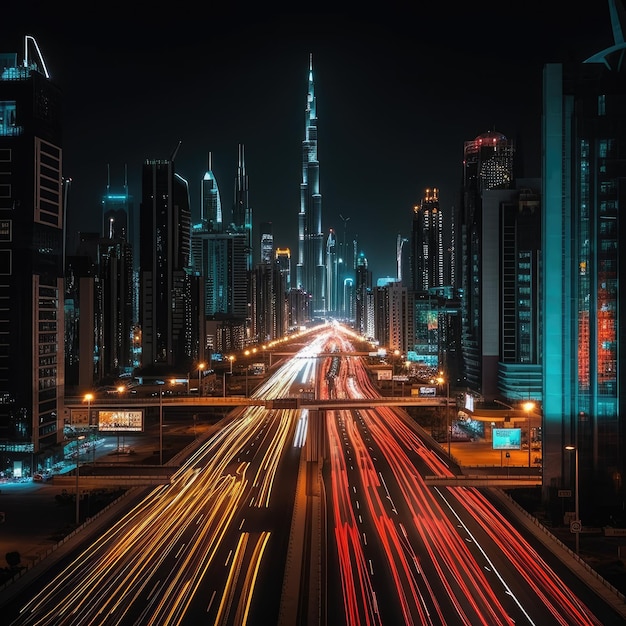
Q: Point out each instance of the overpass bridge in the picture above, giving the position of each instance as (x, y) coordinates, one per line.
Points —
(290, 402)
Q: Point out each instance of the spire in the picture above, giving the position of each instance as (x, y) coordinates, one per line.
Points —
(173, 157)
(612, 57)
(618, 20)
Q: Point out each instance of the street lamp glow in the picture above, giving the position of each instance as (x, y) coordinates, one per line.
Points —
(201, 366)
(441, 380)
(160, 426)
(528, 407)
(89, 398)
(77, 477)
(577, 527)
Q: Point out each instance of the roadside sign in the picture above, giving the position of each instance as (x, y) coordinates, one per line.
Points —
(575, 526)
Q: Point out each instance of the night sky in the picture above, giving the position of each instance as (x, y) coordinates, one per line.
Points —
(397, 96)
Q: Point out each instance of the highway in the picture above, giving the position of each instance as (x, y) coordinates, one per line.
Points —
(308, 516)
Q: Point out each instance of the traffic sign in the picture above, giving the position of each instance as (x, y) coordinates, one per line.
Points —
(575, 526)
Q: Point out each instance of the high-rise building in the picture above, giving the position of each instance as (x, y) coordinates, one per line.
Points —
(31, 261)
(519, 368)
(220, 254)
(242, 212)
(267, 243)
(211, 211)
(427, 245)
(164, 251)
(363, 286)
(332, 275)
(116, 314)
(310, 271)
(283, 260)
(221, 261)
(345, 273)
(584, 197)
(487, 180)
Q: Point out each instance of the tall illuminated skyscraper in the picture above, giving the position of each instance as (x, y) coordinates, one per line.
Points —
(116, 288)
(242, 212)
(584, 375)
(487, 182)
(211, 217)
(164, 255)
(310, 271)
(32, 375)
(427, 248)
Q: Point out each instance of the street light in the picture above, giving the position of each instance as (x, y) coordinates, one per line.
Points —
(89, 398)
(442, 380)
(528, 407)
(160, 426)
(201, 366)
(576, 525)
(231, 358)
(77, 476)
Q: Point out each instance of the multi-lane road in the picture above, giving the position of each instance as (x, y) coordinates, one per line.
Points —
(297, 516)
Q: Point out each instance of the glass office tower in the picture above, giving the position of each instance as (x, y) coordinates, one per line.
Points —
(584, 139)
(31, 262)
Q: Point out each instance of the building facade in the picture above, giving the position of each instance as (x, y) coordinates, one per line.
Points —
(427, 243)
(487, 179)
(310, 271)
(164, 257)
(31, 262)
(584, 405)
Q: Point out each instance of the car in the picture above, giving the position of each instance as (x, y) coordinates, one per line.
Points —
(41, 478)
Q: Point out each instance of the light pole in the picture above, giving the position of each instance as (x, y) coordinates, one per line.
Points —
(442, 380)
(231, 358)
(77, 477)
(89, 398)
(528, 407)
(160, 426)
(201, 366)
(576, 525)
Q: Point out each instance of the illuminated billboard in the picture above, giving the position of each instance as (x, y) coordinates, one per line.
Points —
(120, 421)
(507, 438)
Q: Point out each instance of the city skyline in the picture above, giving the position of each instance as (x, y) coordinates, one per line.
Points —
(397, 95)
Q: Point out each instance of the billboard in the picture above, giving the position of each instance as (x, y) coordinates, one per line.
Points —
(120, 421)
(79, 418)
(384, 374)
(507, 438)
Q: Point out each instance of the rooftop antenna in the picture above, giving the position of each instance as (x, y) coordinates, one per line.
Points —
(175, 151)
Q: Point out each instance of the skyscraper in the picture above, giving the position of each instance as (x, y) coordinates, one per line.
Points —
(584, 375)
(310, 271)
(117, 313)
(427, 248)
(332, 276)
(165, 225)
(211, 211)
(267, 243)
(31, 260)
(242, 212)
(487, 181)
